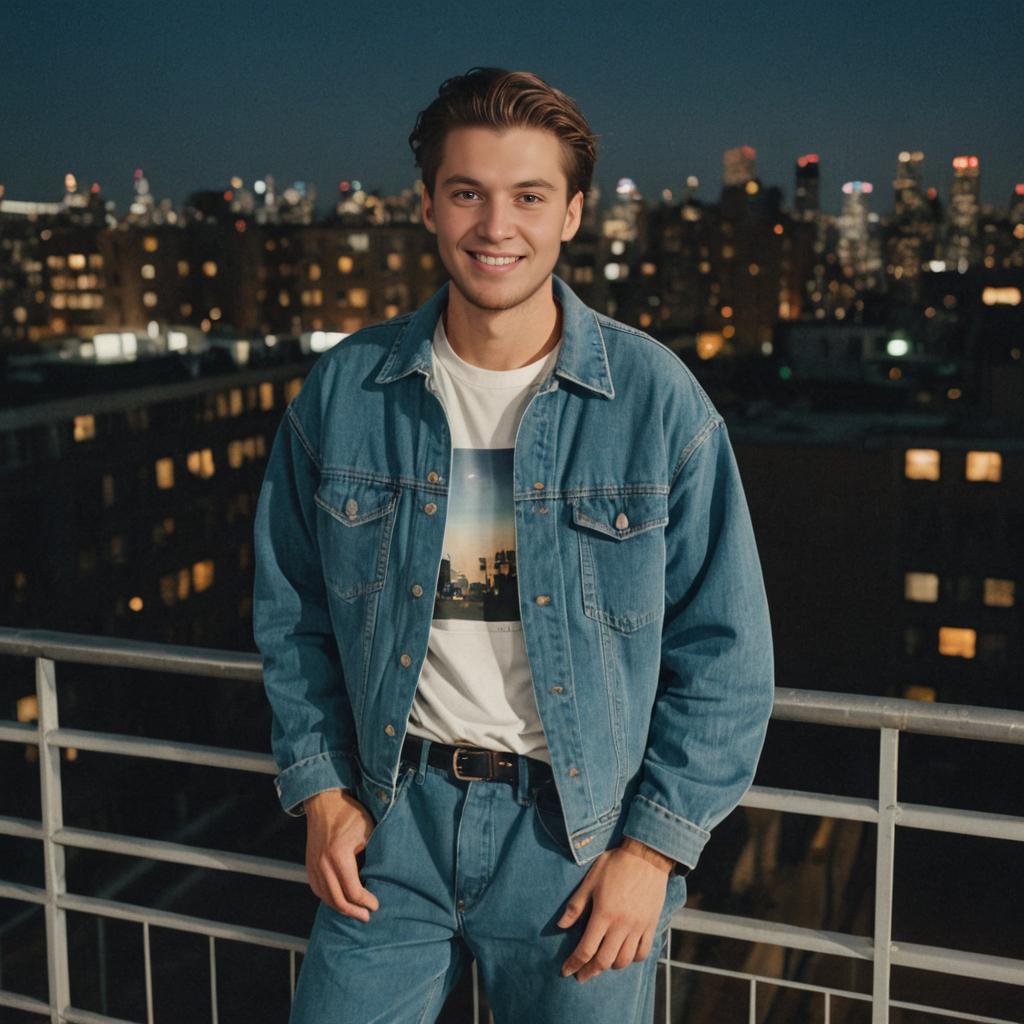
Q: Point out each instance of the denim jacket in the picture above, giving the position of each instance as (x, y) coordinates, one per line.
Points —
(643, 608)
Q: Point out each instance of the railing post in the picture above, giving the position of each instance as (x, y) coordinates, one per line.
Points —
(53, 852)
(888, 763)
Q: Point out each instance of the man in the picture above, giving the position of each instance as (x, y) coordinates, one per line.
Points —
(514, 628)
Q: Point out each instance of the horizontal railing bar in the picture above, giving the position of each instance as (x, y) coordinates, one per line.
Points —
(22, 828)
(86, 649)
(73, 1015)
(813, 940)
(163, 750)
(952, 1014)
(961, 822)
(958, 962)
(766, 979)
(179, 853)
(794, 801)
(181, 922)
(17, 1001)
(859, 711)
(18, 732)
(22, 893)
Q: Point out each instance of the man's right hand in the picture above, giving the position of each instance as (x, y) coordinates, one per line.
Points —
(337, 828)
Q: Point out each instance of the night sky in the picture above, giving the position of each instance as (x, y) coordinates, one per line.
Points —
(197, 92)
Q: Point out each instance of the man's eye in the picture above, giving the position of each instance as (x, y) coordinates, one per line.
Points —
(532, 196)
(464, 192)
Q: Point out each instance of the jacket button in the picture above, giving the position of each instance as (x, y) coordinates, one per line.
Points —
(432, 477)
(382, 795)
(430, 508)
(543, 510)
(574, 772)
(538, 486)
(543, 599)
(417, 590)
(406, 660)
(621, 521)
(351, 508)
(556, 689)
(389, 729)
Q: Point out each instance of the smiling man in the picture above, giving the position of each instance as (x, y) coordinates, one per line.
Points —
(513, 624)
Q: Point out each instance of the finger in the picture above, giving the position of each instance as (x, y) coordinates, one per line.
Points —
(575, 907)
(587, 947)
(643, 950)
(605, 956)
(627, 952)
(336, 898)
(355, 891)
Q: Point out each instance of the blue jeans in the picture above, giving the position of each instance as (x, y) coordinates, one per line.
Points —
(467, 870)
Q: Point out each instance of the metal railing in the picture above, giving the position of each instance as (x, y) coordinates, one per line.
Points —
(889, 717)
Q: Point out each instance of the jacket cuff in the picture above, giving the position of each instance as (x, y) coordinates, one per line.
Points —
(312, 775)
(665, 832)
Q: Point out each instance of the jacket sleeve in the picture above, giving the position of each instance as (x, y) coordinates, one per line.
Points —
(313, 733)
(716, 684)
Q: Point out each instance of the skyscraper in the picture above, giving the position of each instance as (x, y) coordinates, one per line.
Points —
(909, 201)
(964, 206)
(807, 185)
(739, 165)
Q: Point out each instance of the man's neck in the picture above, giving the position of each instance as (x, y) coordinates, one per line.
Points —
(504, 339)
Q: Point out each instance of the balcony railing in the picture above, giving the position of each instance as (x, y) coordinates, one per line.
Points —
(888, 717)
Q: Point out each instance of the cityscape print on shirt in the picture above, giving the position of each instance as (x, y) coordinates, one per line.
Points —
(478, 578)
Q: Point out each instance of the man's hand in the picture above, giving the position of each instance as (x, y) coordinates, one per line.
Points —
(337, 828)
(626, 887)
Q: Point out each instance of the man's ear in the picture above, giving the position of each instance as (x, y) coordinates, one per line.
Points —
(573, 217)
(427, 212)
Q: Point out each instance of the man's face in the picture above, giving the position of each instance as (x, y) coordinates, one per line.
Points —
(500, 194)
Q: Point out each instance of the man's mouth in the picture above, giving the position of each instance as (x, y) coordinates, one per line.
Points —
(495, 261)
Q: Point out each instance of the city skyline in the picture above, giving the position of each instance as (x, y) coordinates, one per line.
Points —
(198, 101)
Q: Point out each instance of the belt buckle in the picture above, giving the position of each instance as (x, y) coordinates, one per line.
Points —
(455, 765)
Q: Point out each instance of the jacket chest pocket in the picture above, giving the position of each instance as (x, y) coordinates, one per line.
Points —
(622, 557)
(357, 519)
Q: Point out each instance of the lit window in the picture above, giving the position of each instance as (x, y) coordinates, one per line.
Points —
(359, 243)
(921, 464)
(136, 604)
(999, 593)
(210, 268)
(345, 264)
(168, 587)
(150, 244)
(165, 474)
(200, 463)
(235, 398)
(427, 260)
(202, 575)
(85, 428)
(266, 396)
(919, 693)
(292, 388)
(235, 456)
(314, 272)
(648, 269)
(957, 643)
(921, 586)
(149, 299)
(76, 261)
(987, 466)
(184, 584)
(148, 271)
(395, 261)
(182, 268)
(358, 297)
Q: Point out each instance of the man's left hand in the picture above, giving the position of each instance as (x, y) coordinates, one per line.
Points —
(626, 889)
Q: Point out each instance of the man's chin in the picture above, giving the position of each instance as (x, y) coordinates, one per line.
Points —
(495, 300)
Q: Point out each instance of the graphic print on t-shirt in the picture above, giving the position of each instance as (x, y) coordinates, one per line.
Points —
(478, 580)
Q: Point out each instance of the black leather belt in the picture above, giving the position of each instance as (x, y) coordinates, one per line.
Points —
(472, 764)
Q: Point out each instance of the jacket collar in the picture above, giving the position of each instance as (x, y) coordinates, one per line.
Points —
(582, 357)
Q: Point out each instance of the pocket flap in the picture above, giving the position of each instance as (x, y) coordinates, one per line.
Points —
(621, 515)
(353, 501)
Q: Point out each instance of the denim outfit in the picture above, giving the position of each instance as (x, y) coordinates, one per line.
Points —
(646, 627)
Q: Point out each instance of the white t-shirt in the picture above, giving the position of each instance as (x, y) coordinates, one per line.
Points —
(475, 687)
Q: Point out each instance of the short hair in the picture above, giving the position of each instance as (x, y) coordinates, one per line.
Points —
(500, 99)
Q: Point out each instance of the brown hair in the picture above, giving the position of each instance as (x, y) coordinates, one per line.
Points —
(496, 98)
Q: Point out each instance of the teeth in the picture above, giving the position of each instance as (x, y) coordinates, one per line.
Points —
(496, 261)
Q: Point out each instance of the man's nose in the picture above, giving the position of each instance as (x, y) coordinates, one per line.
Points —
(496, 223)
